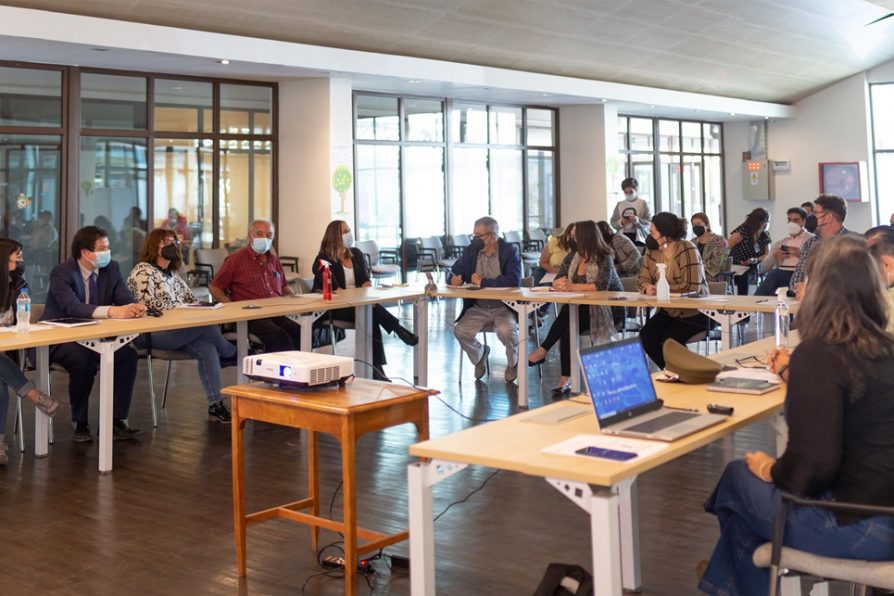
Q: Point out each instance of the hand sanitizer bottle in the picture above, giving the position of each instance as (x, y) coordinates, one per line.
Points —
(782, 318)
(663, 288)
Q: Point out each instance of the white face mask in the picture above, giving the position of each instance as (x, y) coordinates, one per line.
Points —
(793, 228)
(630, 196)
(261, 245)
(347, 239)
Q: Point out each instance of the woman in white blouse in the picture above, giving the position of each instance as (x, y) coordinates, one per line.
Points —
(156, 283)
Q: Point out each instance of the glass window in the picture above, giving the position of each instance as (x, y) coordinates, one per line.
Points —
(883, 116)
(541, 189)
(714, 192)
(692, 137)
(424, 120)
(183, 178)
(692, 185)
(30, 192)
(183, 106)
(424, 191)
(506, 188)
(113, 101)
(246, 189)
(668, 135)
(469, 123)
(378, 194)
(671, 172)
(540, 127)
(641, 134)
(713, 133)
(643, 169)
(470, 189)
(505, 125)
(113, 190)
(245, 109)
(30, 97)
(377, 118)
(622, 133)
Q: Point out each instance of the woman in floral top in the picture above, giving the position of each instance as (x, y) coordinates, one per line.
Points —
(711, 246)
(749, 244)
(156, 283)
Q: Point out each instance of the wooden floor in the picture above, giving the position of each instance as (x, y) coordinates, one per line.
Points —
(162, 522)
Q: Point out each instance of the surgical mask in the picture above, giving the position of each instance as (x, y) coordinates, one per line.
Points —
(477, 244)
(169, 252)
(261, 245)
(348, 239)
(103, 258)
(630, 196)
(698, 230)
(651, 243)
(793, 228)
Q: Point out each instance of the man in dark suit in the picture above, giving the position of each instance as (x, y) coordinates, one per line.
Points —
(90, 285)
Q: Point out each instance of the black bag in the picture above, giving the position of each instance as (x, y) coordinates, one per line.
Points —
(565, 580)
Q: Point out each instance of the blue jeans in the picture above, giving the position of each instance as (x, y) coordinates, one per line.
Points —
(10, 375)
(204, 344)
(777, 278)
(746, 507)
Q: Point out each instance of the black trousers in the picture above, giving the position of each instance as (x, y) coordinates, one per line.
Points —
(82, 364)
(662, 327)
(560, 331)
(278, 334)
(382, 319)
(744, 280)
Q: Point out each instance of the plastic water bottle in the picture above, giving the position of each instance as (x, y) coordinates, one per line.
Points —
(23, 312)
(782, 317)
(327, 282)
(662, 287)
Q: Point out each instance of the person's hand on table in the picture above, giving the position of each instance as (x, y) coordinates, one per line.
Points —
(128, 311)
(456, 280)
(560, 284)
(650, 290)
(777, 362)
(800, 290)
(759, 464)
(477, 279)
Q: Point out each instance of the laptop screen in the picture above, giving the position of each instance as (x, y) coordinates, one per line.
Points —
(618, 379)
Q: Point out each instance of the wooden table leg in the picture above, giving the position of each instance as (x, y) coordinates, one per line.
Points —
(348, 469)
(313, 486)
(238, 486)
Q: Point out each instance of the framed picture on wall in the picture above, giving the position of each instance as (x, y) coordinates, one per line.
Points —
(846, 179)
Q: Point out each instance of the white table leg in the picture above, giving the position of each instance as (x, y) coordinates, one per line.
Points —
(306, 322)
(605, 536)
(726, 319)
(574, 343)
(241, 350)
(522, 309)
(420, 328)
(41, 420)
(629, 517)
(363, 353)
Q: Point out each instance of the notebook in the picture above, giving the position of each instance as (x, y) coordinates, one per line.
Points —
(70, 322)
(624, 399)
(740, 385)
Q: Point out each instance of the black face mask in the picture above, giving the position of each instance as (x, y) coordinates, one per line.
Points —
(18, 272)
(477, 244)
(572, 244)
(651, 243)
(698, 230)
(170, 252)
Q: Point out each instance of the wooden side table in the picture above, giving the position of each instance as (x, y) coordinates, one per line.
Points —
(348, 412)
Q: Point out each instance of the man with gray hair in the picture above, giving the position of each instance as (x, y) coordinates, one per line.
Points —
(489, 261)
(255, 272)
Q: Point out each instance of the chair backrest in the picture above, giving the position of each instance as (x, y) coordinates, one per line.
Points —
(432, 243)
(629, 284)
(37, 312)
(537, 235)
(370, 249)
(305, 285)
(527, 282)
(213, 257)
(513, 237)
(718, 287)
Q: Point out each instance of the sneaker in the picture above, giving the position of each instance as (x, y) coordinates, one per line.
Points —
(406, 336)
(228, 362)
(121, 431)
(4, 455)
(46, 404)
(219, 412)
(380, 376)
(481, 367)
(82, 433)
(511, 373)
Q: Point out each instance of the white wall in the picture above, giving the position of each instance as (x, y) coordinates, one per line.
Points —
(831, 125)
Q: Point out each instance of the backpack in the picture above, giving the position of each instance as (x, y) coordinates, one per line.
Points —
(561, 579)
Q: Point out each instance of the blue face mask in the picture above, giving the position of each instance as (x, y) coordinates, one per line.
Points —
(261, 245)
(103, 258)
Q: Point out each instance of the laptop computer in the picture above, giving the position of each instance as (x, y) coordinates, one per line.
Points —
(624, 399)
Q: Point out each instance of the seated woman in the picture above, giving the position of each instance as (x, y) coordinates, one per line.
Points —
(552, 256)
(666, 244)
(748, 245)
(348, 268)
(628, 258)
(11, 285)
(589, 268)
(839, 406)
(156, 283)
(711, 246)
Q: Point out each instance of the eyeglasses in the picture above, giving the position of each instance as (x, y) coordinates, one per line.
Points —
(819, 214)
(751, 362)
(170, 241)
(482, 236)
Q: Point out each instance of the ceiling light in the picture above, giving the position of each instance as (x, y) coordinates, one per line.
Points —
(223, 61)
(732, 113)
(652, 106)
(547, 94)
(414, 81)
(604, 100)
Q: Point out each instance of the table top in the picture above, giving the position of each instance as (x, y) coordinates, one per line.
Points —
(516, 443)
(358, 395)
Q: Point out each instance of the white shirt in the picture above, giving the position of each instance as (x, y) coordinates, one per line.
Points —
(350, 283)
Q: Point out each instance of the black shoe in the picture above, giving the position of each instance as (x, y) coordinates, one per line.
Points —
(219, 412)
(82, 433)
(406, 336)
(228, 362)
(121, 431)
(377, 376)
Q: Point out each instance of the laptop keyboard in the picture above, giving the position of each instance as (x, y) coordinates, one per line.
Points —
(662, 422)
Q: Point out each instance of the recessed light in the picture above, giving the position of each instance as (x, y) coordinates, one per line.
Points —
(178, 87)
(732, 113)
(766, 117)
(223, 61)
(414, 81)
(652, 106)
(547, 94)
(604, 100)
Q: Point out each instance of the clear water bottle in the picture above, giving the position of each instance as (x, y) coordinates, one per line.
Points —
(662, 288)
(782, 318)
(23, 312)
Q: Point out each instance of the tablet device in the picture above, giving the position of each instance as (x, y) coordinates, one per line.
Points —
(70, 322)
(742, 385)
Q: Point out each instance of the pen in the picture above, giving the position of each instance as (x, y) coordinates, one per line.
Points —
(761, 301)
(682, 409)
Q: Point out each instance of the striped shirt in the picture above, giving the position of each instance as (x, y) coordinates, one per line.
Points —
(685, 273)
(801, 268)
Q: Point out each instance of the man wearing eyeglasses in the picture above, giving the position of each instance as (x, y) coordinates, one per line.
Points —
(830, 212)
(488, 261)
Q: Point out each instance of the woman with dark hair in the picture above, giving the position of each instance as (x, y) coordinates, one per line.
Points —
(711, 246)
(347, 266)
(749, 244)
(553, 255)
(685, 273)
(155, 282)
(589, 268)
(11, 286)
(628, 258)
(839, 407)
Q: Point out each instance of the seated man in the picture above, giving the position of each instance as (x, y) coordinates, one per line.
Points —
(89, 285)
(488, 261)
(784, 254)
(255, 272)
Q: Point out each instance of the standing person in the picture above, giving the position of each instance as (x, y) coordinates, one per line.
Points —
(839, 407)
(784, 254)
(252, 273)
(489, 261)
(11, 285)
(810, 220)
(632, 215)
(156, 283)
(347, 265)
(89, 285)
(830, 212)
(552, 256)
(711, 246)
(749, 244)
(666, 244)
(628, 258)
(589, 268)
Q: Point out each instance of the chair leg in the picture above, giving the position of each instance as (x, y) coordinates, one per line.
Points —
(20, 425)
(164, 398)
(152, 391)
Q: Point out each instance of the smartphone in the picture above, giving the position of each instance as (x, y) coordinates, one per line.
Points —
(606, 453)
(784, 249)
(718, 409)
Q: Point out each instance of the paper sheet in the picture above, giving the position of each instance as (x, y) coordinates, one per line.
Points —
(34, 327)
(641, 447)
(758, 374)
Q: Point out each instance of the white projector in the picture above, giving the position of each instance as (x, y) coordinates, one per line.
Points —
(298, 369)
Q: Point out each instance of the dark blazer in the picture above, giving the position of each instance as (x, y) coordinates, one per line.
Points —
(510, 270)
(361, 272)
(66, 295)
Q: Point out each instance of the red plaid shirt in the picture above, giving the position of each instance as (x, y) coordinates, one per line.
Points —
(246, 275)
